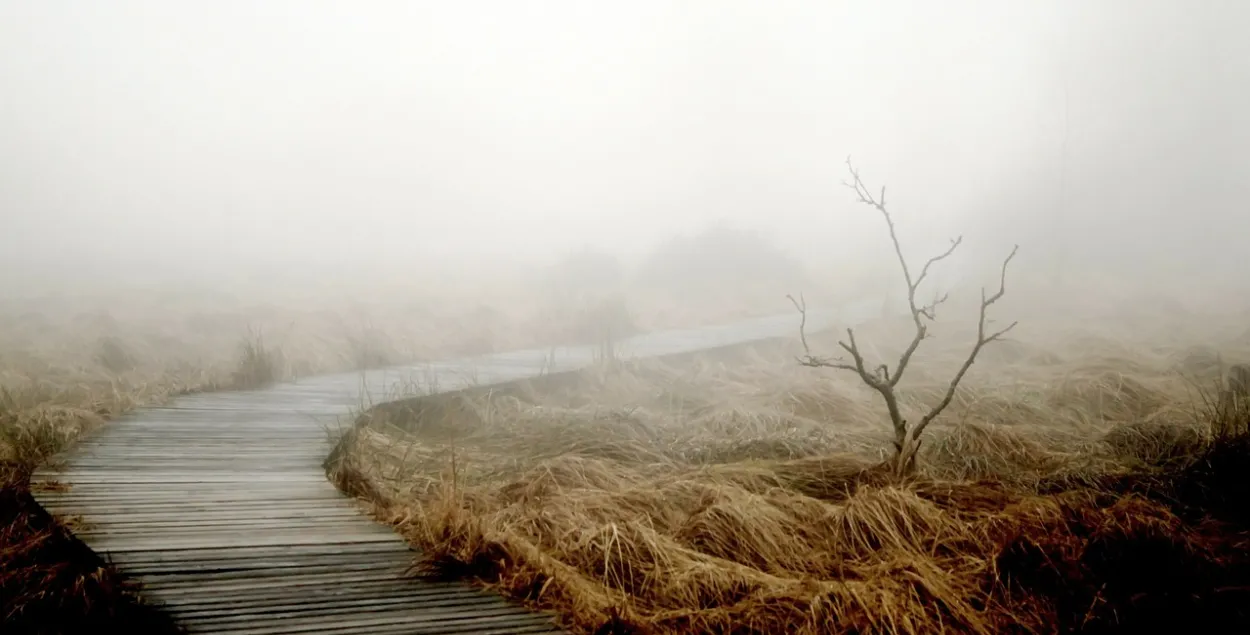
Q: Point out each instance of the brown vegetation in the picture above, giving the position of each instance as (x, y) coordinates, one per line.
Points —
(67, 366)
(730, 490)
(1074, 486)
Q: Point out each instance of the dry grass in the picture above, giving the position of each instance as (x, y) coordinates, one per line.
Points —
(1073, 486)
(67, 366)
(676, 498)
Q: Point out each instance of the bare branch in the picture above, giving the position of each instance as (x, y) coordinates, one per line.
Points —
(918, 313)
(823, 362)
(808, 359)
(924, 271)
(861, 190)
(801, 306)
(982, 340)
(860, 367)
(1002, 276)
(929, 311)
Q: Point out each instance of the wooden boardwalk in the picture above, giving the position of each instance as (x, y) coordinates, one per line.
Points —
(217, 503)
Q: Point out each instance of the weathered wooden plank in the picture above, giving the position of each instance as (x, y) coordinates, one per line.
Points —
(265, 566)
(157, 502)
(460, 605)
(352, 564)
(295, 606)
(200, 469)
(449, 629)
(210, 555)
(113, 456)
(222, 481)
(183, 481)
(205, 500)
(232, 524)
(367, 601)
(382, 586)
(420, 620)
(331, 590)
(215, 585)
(269, 539)
(336, 531)
(224, 516)
(189, 529)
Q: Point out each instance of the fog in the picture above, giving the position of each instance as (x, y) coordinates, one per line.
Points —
(395, 139)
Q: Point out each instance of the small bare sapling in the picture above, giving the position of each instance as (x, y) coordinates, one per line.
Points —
(880, 377)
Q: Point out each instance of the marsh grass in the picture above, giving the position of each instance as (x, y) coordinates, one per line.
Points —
(1074, 485)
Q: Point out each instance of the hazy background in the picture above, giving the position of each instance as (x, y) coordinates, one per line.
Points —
(227, 139)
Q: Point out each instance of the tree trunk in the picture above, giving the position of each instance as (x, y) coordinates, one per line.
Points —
(905, 450)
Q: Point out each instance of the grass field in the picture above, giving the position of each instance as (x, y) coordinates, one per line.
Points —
(71, 362)
(1075, 485)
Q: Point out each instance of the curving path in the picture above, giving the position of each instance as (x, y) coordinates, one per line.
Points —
(218, 505)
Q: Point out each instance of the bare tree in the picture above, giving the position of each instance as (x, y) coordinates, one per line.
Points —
(880, 377)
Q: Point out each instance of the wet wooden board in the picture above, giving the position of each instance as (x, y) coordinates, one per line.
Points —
(217, 503)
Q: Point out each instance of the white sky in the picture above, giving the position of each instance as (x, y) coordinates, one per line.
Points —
(171, 136)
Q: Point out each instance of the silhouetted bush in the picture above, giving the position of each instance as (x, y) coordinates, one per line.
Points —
(719, 258)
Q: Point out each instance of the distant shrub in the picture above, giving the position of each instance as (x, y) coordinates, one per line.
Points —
(719, 258)
(583, 274)
(370, 348)
(114, 357)
(585, 300)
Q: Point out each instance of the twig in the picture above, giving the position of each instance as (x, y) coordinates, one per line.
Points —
(982, 340)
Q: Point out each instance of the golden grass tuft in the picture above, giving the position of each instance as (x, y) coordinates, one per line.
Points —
(1155, 444)
(982, 451)
(259, 365)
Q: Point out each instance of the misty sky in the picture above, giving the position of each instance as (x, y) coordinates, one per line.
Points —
(215, 135)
